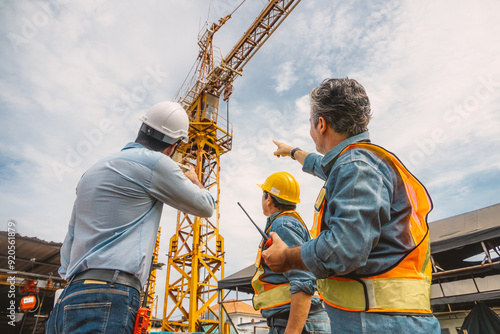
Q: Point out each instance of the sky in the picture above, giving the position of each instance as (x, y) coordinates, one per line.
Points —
(75, 75)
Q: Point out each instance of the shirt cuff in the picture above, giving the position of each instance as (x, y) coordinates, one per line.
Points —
(213, 200)
(309, 161)
(311, 261)
(312, 165)
(298, 286)
(62, 272)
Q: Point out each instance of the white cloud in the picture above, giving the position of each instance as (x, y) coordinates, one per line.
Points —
(285, 77)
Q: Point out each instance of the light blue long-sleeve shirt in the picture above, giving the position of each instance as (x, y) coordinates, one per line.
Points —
(366, 213)
(117, 211)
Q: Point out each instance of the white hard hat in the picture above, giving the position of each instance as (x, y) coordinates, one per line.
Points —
(169, 119)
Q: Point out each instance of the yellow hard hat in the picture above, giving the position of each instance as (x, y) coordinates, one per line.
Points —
(283, 186)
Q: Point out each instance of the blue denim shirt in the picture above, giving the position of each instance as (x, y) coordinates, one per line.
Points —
(293, 233)
(366, 213)
(119, 201)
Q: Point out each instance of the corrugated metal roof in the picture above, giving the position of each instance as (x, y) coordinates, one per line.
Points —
(465, 223)
(34, 259)
(31, 255)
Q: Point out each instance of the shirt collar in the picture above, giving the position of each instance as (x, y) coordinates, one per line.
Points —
(132, 145)
(271, 218)
(332, 155)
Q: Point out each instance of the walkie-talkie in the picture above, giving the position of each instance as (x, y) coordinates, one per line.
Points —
(142, 319)
(268, 240)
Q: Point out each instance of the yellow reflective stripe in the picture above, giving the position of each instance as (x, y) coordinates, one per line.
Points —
(383, 294)
(291, 213)
(273, 297)
(258, 258)
(319, 200)
(318, 207)
(426, 260)
(348, 294)
(259, 254)
(280, 295)
(401, 293)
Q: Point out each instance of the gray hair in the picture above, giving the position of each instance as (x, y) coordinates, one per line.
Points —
(343, 104)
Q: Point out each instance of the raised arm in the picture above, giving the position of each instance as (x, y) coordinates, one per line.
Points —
(181, 191)
(284, 150)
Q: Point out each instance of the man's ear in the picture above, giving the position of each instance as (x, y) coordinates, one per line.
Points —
(269, 201)
(168, 151)
(321, 127)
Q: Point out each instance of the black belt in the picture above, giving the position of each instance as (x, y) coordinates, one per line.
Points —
(276, 322)
(110, 276)
(316, 308)
(281, 319)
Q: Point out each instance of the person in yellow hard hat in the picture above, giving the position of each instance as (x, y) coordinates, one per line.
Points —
(286, 300)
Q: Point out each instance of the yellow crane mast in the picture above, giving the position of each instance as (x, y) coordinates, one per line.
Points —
(150, 294)
(152, 277)
(196, 251)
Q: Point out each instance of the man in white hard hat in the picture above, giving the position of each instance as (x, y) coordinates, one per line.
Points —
(107, 253)
(286, 300)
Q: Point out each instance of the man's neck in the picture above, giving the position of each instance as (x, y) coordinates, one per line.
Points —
(332, 139)
(273, 210)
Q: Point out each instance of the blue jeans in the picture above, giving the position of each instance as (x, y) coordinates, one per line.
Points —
(85, 307)
(364, 322)
(316, 323)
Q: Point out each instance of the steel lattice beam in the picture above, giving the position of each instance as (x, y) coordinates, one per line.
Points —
(196, 251)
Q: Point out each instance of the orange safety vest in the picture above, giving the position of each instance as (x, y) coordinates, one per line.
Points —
(403, 288)
(268, 295)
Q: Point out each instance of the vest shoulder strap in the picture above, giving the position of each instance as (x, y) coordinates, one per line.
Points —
(291, 213)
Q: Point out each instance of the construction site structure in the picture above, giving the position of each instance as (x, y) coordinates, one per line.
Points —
(150, 294)
(196, 251)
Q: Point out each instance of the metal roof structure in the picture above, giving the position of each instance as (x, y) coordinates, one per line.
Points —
(239, 281)
(23, 259)
(32, 255)
(461, 225)
(465, 252)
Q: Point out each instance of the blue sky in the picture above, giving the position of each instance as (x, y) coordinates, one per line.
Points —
(76, 75)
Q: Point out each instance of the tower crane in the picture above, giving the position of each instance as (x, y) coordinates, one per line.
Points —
(196, 251)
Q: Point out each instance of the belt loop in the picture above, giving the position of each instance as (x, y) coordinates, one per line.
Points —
(115, 276)
(66, 287)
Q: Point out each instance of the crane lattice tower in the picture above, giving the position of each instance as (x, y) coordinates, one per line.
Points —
(196, 251)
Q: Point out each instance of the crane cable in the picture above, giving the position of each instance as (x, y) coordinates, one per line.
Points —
(209, 6)
(177, 95)
(238, 7)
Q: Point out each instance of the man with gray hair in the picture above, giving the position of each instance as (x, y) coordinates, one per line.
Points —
(370, 250)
